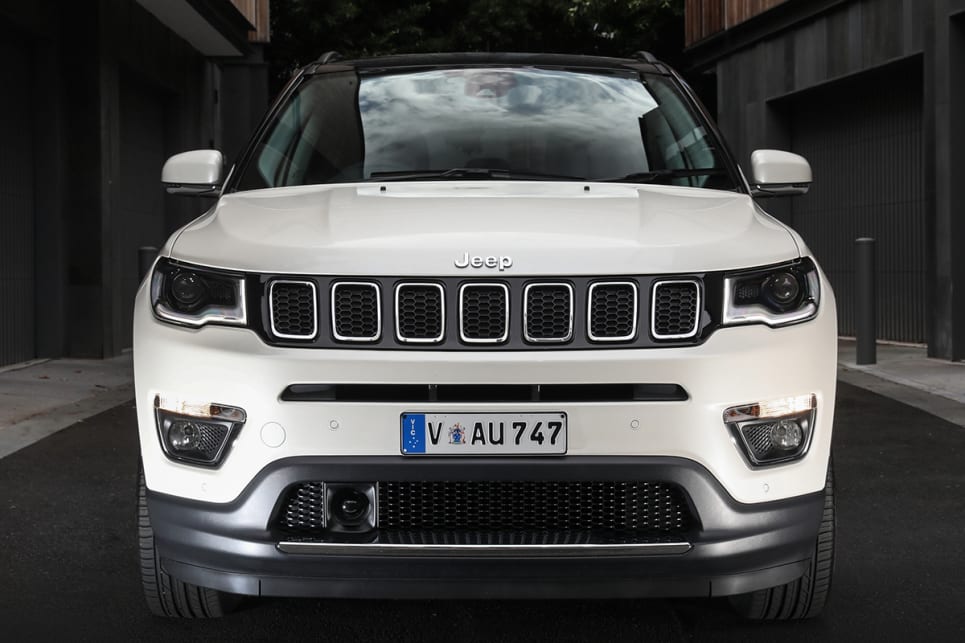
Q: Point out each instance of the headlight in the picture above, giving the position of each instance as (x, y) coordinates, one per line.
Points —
(195, 296)
(774, 296)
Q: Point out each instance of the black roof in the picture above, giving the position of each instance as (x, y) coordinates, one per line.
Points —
(487, 58)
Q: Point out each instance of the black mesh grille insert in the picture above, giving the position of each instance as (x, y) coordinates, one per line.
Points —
(614, 508)
(420, 312)
(293, 309)
(484, 312)
(548, 312)
(305, 509)
(355, 311)
(675, 309)
(758, 438)
(612, 311)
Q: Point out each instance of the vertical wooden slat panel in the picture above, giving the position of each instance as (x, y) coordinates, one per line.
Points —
(864, 143)
(704, 18)
(258, 13)
(17, 216)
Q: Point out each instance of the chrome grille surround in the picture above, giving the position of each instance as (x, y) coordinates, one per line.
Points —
(590, 310)
(378, 312)
(271, 308)
(696, 306)
(539, 340)
(462, 311)
(442, 313)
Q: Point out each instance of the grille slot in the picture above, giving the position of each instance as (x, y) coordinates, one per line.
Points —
(612, 315)
(356, 311)
(675, 310)
(304, 511)
(548, 312)
(292, 306)
(420, 313)
(484, 313)
(488, 393)
(603, 508)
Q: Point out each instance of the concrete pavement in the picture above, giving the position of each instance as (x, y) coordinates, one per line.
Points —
(44, 396)
(68, 557)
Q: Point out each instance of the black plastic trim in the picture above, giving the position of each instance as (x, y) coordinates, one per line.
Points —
(488, 393)
(738, 548)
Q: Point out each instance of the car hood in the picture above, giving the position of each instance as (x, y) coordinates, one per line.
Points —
(426, 228)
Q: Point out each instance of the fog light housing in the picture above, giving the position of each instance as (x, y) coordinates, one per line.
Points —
(196, 433)
(773, 431)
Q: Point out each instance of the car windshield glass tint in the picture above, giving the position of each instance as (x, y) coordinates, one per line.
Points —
(486, 123)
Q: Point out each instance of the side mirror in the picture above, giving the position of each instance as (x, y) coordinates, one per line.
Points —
(198, 173)
(778, 173)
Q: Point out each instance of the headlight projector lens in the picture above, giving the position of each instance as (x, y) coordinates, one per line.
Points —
(188, 290)
(783, 289)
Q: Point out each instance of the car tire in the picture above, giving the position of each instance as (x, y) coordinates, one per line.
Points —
(805, 597)
(167, 596)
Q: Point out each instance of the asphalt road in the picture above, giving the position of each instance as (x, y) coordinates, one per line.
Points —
(68, 565)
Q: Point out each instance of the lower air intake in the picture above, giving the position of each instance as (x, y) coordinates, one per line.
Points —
(614, 509)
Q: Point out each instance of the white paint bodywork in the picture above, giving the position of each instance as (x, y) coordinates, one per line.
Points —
(549, 229)
(197, 167)
(777, 167)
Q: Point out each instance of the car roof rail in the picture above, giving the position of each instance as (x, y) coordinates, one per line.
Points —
(329, 57)
(645, 56)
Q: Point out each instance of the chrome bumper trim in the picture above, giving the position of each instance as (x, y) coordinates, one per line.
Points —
(489, 551)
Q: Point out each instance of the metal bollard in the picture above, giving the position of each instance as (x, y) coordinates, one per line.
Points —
(145, 259)
(865, 304)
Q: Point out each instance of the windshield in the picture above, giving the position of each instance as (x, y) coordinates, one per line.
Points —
(505, 123)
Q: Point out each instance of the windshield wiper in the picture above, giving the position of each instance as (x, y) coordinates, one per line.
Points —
(654, 176)
(469, 173)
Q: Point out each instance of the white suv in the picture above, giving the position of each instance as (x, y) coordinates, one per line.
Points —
(486, 325)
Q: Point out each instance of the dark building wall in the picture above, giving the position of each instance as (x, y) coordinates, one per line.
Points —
(17, 163)
(866, 89)
(103, 93)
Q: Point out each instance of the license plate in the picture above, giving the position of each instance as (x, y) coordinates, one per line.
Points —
(483, 433)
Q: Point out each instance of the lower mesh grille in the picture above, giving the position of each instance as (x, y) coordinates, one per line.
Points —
(509, 509)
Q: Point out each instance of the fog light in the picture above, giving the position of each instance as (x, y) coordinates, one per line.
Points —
(184, 436)
(773, 431)
(202, 437)
(786, 435)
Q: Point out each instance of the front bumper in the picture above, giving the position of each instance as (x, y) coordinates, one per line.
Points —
(736, 548)
(734, 366)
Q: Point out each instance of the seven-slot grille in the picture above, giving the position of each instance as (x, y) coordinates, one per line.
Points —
(480, 314)
(420, 313)
(293, 309)
(484, 313)
(548, 312)
(675, 310)
(356, 311)
(621, 507)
